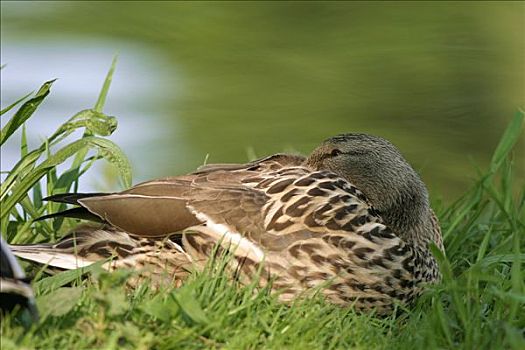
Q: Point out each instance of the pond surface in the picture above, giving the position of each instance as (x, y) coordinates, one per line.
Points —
(80, 70)
(238, 80)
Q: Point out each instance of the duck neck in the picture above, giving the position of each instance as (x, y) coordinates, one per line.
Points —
(417, 226)
(411, 218)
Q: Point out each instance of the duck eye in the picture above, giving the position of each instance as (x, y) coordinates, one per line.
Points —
(335, 152)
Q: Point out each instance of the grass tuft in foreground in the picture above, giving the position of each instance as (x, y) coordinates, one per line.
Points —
(478, 305)
(36, 172)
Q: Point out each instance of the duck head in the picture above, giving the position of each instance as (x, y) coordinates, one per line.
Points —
(377, 168)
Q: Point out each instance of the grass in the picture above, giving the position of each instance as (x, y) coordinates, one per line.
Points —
(478, 305)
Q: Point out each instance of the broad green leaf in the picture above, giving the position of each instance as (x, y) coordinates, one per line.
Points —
(113, 300)
(25, 112)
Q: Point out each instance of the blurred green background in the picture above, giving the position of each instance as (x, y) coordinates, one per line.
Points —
(238, 79)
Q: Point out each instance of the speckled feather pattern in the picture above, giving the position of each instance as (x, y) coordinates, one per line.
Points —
(161, 261)
(316, 229)
(304, 228)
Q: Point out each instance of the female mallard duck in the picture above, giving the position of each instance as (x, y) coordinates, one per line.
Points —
(353, 217)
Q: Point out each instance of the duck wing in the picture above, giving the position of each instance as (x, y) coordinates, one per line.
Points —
(160, 207)
(264, 204)
(308, 227)
(276, 208)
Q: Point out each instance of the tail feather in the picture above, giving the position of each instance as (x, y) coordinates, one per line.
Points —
(162, 261)
(44, 254)
(75, 213)
(81, 247)
(72, 198)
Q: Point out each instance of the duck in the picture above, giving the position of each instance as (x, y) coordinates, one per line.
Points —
(15, 290)
(352, 220)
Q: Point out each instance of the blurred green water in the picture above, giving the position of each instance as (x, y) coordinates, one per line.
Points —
(440, 80)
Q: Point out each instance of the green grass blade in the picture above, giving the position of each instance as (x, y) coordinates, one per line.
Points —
(23, 166)
(51, 283)
(516, 258)
(109, 150)
(97, 123)
(11, 106)
(68, 297)
(101, 101)
(509, 139)
(516, 273)
(23, 142)
(25, 112)
(189, 305)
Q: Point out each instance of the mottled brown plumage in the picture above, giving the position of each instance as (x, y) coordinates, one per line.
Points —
(352, 218)
(161, 261)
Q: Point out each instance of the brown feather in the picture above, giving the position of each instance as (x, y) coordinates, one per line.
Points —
(302, 223)
(145, 216)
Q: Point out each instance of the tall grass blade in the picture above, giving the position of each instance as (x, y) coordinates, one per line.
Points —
(51, 283)
(23, 142)
(93, 127)
(11, 106)
(108, 150)
(25, 112)
(97, 123)
(101, 101)
(509, 139)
